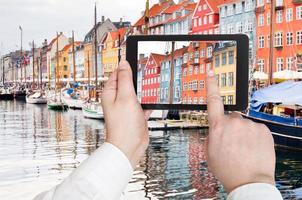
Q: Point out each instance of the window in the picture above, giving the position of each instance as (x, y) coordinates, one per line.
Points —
(217, 60)
(201, 100)
(238, 8)
(268, 41)
(268, 18)
(261, 20)
(223, 99)
(210, 19)
(279, 16)
(195, 22)
(199, 22)
(199, 8)
(279, 64)
(289, 38)
(201, 85)
(195, 100)
(279, 39)
(230, 28)
(289, 63)
(299, 37)
(190, 70)
(261, 42)
(209, 51)
(208, 66)
(230, 10)
(224, 60)
(201, 69)
(231, 79)
(205, 6)
(261, 65)
(205, 20)
(196, 70)
(202, 53)
(260, 3)
(230, 99)
(299, 12)
(231, 57)
(222, 11)
(289, 14)
(223, 79)
(65, 67)
(279, 3)
(177, 92)
(239, 27)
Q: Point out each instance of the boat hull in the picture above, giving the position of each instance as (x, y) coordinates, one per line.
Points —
(6, 97)
(21, 96)
(92, 114)
(36, 100)
(58, 106)
(73, 103)
(288, 136)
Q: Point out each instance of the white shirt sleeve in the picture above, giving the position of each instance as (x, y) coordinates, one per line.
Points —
(104, 175)
(255, 191)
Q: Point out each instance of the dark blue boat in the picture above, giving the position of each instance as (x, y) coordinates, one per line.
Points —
(279, 107)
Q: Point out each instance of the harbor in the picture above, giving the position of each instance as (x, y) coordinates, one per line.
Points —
(40, 147)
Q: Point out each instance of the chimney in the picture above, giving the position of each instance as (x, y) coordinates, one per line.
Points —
(141, 56)
(103, 19)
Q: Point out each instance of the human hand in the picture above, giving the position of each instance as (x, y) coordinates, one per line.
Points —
(239, 151)
(126, 122)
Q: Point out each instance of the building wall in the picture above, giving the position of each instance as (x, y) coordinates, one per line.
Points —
(88, 59)
(239, 17)
(224, 64)
(287, 52)
(109, 56)
(151, 82)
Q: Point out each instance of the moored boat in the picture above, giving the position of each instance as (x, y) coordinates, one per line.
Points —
(93, 110)
(279, 107)
(56, 105)
(37, 97)
(6, 94)
(72, 98)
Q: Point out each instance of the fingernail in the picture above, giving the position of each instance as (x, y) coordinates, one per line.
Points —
(123, 64)
(211, 73)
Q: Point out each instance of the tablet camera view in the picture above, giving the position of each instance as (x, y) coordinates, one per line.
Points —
(174, 72)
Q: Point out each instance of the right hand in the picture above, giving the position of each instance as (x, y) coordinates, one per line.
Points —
(239, 151)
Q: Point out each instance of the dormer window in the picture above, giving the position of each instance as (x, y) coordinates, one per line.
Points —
(174, 15)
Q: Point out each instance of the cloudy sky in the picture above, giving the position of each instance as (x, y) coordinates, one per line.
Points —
(42, 18)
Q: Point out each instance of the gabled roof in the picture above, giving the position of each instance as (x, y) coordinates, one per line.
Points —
(70, 45)
(158, 58)
(178, 53)
(214, 4)
(156, 9)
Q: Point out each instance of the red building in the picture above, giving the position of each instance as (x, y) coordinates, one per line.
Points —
(151, 79)
(206, 17)
(287, 36)
(197, 62)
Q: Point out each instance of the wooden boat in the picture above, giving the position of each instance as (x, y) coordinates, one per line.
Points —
(93, 110)
(54, 102)
(37, 97)
(73, 101)
(279, 107)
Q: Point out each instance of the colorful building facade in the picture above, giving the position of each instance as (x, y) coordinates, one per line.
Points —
(165, 78)
(151, 79)
(287, 36)
(224, 64)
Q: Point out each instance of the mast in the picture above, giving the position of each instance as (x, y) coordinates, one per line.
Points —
(21, 54)
(57, 64)
(119, 47)
(73, 58)
(172, 74)
(271, 48)
(95, 55)
(88, 76)
(33, 83)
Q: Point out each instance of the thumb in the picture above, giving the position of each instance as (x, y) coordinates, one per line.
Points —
(109, 92)
(125, 88)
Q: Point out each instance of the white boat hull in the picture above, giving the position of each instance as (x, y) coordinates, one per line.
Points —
(73, 103)
(93, 111)
(36, 100)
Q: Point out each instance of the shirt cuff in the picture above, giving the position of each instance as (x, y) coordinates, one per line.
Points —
(104, 175)
(255, 191)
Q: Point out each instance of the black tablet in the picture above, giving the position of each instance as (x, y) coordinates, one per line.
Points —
(169, 71)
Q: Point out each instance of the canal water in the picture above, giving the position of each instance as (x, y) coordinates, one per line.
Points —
(39, 148)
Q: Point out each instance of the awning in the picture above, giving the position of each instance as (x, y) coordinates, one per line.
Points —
(260, 75)
(285, 75)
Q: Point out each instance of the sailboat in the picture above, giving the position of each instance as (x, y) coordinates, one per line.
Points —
(36, 96)
(53, 102)
(93, 108)
(71, 96)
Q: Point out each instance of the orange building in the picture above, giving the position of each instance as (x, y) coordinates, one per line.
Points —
(197, 62)
(287, 37)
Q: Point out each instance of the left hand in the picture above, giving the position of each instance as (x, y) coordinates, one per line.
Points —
(126, 122)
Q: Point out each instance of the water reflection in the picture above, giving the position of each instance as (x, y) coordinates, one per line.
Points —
(39, 148)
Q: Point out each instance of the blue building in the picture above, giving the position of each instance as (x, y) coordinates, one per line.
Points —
(239, 17)
(166, 75)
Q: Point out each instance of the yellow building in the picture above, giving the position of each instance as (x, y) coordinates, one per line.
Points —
(111, 50)
(64, 69)
(224, 64)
